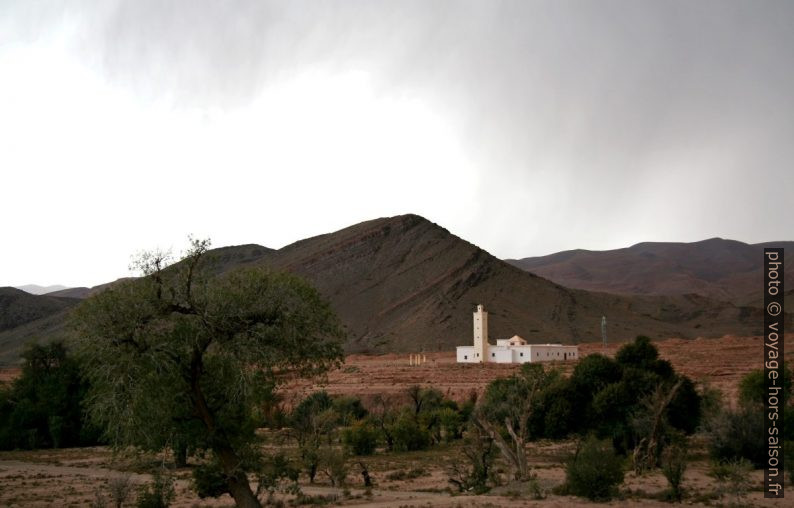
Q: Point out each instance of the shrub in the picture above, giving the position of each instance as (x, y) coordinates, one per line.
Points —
(737, 434)
(673, 468)
(361, 438)
(752, 387)
(278, 474)
(733, 477)
(158, 494)
(120, 488)
(333, 462)
(349, 409)
(209, 481)
(408, 435)
(474, 471)
(640, 353)
(595, 471)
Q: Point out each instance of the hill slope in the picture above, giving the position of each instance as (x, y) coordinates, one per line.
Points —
(404, 283)
(720, 269)
(19, 307)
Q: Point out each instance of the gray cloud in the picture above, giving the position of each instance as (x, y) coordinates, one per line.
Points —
(608, 122)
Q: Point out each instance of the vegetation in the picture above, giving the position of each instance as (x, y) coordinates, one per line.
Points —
(733, 477)
(157, 494)
(43, 408)
(178, 356)
(595, 471)
(475, 473)
(739, 433)
(189, 360)
(674, 462)
(506, 409)
(361, 438)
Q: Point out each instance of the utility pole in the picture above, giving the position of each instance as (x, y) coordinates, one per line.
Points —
(604, 330)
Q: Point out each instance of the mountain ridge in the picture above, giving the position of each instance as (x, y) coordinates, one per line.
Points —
(718, 268)
(403, 283)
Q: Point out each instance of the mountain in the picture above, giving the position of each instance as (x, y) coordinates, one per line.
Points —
(403, 284)
(18, 307)
(78, 292)
(46, 315)
(719, 269)
(40, 290)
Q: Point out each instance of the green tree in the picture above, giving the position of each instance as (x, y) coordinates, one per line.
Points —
(361, 438)
(182, 352)
(752, 387)
(44, 406)
(506, 410)
(312, 422)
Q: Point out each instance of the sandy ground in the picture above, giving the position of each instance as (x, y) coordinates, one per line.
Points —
(73, 477)
(720, 363)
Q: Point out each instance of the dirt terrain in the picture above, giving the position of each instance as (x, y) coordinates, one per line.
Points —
(720, 363)
(74, 477)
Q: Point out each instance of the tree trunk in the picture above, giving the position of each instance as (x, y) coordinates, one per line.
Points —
(236, 478)
(241, 492)
(516, 457)
(365, 474)
(180, 453)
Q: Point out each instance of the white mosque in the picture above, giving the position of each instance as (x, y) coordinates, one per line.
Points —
(512, 350)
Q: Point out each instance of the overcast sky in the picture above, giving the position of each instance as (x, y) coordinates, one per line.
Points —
(525, 127)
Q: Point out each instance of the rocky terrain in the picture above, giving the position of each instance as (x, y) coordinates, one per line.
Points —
(719, 269)
(404, 284)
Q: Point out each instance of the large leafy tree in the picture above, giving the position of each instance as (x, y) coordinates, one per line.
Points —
(43, 407)
(185, 356)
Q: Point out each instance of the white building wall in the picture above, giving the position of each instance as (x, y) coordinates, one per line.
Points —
(500, 354)
(521, 354)
(465, 354)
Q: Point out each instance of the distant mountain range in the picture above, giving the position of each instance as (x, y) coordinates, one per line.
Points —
(35, 289)
(720, 269)
(403, 284)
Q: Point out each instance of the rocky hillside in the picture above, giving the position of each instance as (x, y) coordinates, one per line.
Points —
(719, 269)
(404, 284)
(19, 307)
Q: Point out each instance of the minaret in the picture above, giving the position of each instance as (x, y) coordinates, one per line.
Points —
(481, 334)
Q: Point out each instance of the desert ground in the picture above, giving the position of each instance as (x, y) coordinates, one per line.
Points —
(720, 363)
(76, 477)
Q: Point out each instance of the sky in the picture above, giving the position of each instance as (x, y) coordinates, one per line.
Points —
(524, 127)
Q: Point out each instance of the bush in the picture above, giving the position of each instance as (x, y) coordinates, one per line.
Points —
(361, 438)
(408, 435)
(349, 409)
(733, 477)
(673, 468)
(736, 435)
(158, 494)
(595, 471)
(278, 474)
(334, 463)
(120, 487)
(640, 353)
(209, 481)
